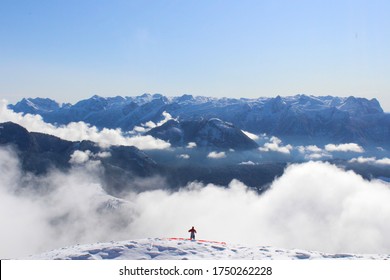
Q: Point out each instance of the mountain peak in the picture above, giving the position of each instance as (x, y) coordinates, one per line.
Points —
(97, 97)
(185, 97)
(359, 106)
(35, 105)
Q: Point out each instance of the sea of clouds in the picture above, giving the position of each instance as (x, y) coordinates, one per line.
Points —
(313, 205)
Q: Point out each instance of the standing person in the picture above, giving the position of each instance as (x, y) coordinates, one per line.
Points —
(193, 231)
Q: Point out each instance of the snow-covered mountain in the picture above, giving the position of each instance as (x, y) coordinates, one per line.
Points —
(38, 105)
(184, 249)
(204, 133)
(301, 117)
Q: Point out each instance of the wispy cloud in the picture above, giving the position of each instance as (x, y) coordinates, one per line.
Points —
(216, 155)
(275, 145)
(371, 160)
(81, 157)
(249, 162)
(149, 125)
(191, 145)
(313, 152)
(184, 156)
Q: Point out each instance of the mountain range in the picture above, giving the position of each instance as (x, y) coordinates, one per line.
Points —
(300, 119)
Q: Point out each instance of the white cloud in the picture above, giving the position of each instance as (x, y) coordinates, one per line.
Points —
(149, 125)
(139, 129)
(103, 154)
(371, 160)
(184, 156)
(249, 162)
(349, 147)
(251, 135)
(313, 152)
(363, 160)
(314, 156)
(383, 161)
(275, 146)
(313, 149)
(313, 206)
(146, 142)
(80, 157)
(78, 131)
(191, 145)
(54, 210)
(216, 155)
(166, 116)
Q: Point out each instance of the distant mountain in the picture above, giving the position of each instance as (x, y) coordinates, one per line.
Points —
(37, 105)
(212, 133)
(300, 118)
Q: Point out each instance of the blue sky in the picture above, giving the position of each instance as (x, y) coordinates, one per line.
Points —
(69, 50)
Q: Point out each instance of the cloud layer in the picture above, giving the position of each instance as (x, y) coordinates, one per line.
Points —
(313, 206)
(78, 131)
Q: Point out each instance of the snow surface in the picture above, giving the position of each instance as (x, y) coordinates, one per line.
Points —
(184, 249)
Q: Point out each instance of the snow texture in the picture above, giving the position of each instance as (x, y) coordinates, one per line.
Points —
(184, 249)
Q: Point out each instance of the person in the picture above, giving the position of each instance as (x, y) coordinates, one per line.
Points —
(193, 231)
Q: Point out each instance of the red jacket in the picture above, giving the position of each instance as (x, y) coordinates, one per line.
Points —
(192, 230)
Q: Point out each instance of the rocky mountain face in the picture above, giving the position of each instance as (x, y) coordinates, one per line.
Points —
(212, 133)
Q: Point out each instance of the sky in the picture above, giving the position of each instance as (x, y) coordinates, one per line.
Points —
(70, 50)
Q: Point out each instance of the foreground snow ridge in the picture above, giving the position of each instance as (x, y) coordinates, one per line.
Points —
(184, 249)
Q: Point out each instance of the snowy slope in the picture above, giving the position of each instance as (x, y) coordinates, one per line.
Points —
(183, 249)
